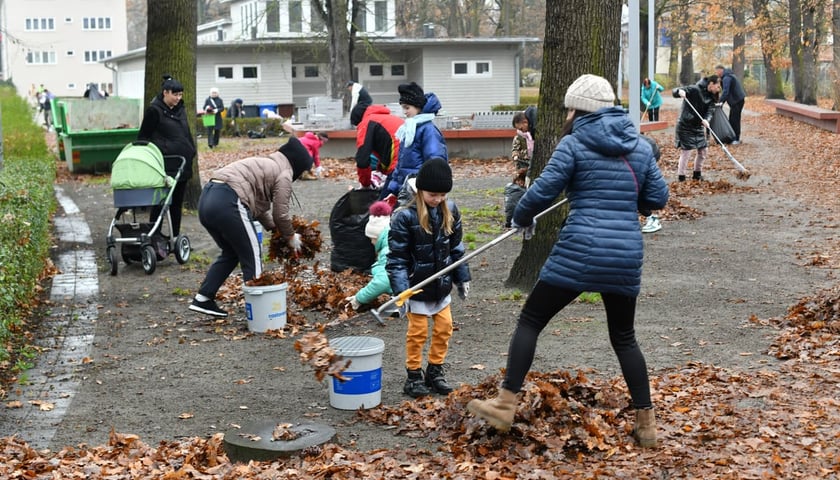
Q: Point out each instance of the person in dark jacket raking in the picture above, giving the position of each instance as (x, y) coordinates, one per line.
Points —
(690, 130)
(165, 124)
(608, 174)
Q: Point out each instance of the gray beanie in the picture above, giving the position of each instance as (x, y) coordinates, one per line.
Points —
(589, 93)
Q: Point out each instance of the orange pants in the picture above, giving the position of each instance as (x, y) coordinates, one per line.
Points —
(418, 331)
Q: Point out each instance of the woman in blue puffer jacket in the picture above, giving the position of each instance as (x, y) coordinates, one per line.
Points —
(608, 174)
(420, 139)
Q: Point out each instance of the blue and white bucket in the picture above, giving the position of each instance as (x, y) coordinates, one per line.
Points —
(265, 307)
(259, 229)
(364, 387)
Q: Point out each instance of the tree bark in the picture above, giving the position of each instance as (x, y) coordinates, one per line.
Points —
(835, 30)
(171, 38)
(580, 37)
(771, 48)
(739, 39)
(795, 41)
(686, 55)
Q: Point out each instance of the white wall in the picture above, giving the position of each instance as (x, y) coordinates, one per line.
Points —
(66, 42)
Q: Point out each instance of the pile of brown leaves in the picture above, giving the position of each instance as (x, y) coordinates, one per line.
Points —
(310, 236)
(811, 329)
(315, 350)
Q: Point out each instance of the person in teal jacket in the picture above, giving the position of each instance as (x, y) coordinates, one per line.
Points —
(377, 229)
(651, 98)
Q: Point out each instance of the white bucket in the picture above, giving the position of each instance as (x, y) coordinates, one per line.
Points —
(265, 307)
(364, 387)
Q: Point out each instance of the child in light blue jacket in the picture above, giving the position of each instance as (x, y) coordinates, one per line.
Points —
(377, 229)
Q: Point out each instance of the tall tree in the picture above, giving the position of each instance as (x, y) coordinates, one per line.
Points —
(684, 22)
(580, 37)
(770, 21)
(341, 37)
(739, 38)
(171, 39)
(835, 30)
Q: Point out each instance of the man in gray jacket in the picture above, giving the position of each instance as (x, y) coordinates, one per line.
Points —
(254, 188)
(733, 94)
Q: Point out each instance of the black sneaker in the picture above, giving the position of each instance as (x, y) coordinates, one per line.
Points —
(208, 307)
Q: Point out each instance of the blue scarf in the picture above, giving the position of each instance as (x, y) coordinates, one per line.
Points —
(406, 132)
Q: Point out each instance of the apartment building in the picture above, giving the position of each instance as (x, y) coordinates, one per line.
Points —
(59, 43)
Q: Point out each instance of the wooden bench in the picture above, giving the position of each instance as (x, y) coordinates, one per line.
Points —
(484, 143)
(652, 126)
(810, 114)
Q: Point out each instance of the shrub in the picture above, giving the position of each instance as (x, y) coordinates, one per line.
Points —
(27, 202)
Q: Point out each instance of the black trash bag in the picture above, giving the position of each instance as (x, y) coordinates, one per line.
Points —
(348, 219)
(720, 125)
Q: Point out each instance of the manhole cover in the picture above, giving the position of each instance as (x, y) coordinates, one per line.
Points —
(257, 440)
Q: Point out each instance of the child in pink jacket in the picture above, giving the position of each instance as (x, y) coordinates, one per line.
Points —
(313, 143)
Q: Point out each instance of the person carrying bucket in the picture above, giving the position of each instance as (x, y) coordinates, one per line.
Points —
(254, 188)
(426, 237)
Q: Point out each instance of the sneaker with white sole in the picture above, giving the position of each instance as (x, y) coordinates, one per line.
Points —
(208, 307)
(652, 224)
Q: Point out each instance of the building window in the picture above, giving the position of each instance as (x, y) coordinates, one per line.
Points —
(294, 71)
(398, 70)
(295, 16)
(375, 70)
(316, 23)
(68, 20)
(237, 72)
(70, 53)
(96, 23)
(93, 56)
(40, 58)
(39, 24)
(272, 16)
(380, 16)
(251, 72)
(310, 71)
(472, 68)
(225, 73)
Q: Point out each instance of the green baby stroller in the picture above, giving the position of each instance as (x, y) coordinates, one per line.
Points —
(140, 183)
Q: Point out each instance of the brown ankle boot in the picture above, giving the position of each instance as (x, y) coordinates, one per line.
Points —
(644, 430)
(498, 412)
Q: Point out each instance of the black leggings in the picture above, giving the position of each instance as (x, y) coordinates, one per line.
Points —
(175, 209)
(543, 303)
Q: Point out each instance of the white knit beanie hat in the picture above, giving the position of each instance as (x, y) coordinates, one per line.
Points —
(589, 93)
(379, 219)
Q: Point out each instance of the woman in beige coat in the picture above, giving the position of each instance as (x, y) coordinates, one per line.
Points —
(254, 188)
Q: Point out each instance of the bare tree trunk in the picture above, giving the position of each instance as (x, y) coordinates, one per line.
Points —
(795, 34)
(674, 57)
(739, 39)
(812, 35)
(771, 46)
(170, 49)
(835, 29)
(580, 37)
(686, 56)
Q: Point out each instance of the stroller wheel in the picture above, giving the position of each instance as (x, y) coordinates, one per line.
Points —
(182, 249)
(112, 259)
(149, 259)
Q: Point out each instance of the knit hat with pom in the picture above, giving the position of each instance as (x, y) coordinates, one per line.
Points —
(589, 93)
(412, 94)
(379, 219)
(435, 176)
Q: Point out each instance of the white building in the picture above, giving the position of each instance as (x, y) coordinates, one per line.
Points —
(273, 52)
(60, 43)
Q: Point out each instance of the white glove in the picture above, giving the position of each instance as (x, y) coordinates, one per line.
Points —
(295, 243)
(353, 302)
(705, 123)
(647, 104)
(527, 232)
(318, 171)
(463, 290)
(681, 93)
